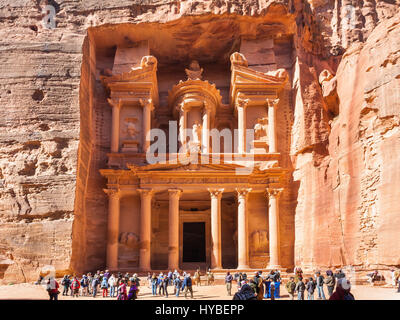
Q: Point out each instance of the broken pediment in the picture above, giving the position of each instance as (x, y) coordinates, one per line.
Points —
(253, 84)
(139, 82)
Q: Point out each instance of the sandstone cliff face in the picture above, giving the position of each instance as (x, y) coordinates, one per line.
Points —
(347, 213)
(343, 149)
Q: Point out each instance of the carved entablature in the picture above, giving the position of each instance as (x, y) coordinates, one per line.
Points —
(194, 93)
(253, 85)
(139, 83)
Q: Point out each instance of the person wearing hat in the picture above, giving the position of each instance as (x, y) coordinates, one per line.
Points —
(342, 292)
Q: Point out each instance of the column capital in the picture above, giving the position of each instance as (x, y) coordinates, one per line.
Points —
(147, 103)
(243, 192)
(272, 102)
(216, 193)
(174, 192)
(113, 192)
(115, 103)
(241, 102)
(145, 192)
(274, 192)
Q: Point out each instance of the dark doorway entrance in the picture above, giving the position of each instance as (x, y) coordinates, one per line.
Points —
(194, 242)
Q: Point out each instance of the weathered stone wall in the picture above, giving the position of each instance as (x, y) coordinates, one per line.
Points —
(343, 195)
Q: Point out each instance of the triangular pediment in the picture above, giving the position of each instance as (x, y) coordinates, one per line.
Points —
(182, 167)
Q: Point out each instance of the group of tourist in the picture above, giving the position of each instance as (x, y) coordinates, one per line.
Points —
(110, 285)
(258, 287)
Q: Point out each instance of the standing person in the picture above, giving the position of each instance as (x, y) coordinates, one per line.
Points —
(342, 290)
(310, 288)
(291, 288)
(133, 290)
(160, 281)
(149, 279)
(52, 289)
(320, 285)
(277, 283)
(272, 290)
(165, 285)
(188, 285)
(122, 291)
(90, 279)
(66, 282)
(177, 285)
(95, 283)
(154, 281)
(84, 285)
(210, 277)
(298, 275)
(112, 282)
(75, 285)
(106, 275)
(135, 281)
(104, 286)
(197, 277)
(300, 288)
(330, 282)
(228, 282)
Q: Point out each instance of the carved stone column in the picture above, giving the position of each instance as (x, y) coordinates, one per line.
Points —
(205, 130)
(241, 109)
(173, 239)
(216, 195)
(116, 106)
(145, 229)
(243, 254)
(147, 109)
(271, 124)
(113, 228)
(273, 218)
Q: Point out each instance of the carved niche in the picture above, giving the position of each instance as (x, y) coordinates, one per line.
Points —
(130, 130)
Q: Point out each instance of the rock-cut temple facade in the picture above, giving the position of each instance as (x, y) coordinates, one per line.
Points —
(211, 197)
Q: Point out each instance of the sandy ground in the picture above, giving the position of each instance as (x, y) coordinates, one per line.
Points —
(28, 291)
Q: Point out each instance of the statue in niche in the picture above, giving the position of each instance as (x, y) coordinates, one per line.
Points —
(259, 241)
(129, 239)
(131, 143)
(196, 132)
(194, 72)
(130, 127)
(260, 129)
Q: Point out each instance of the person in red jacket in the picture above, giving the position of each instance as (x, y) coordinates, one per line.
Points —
(342, 292)
(52, 289)
(75, 285)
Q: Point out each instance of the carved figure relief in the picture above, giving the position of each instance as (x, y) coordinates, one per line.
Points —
(129, 239)
(261, 129)
(259, 242)
(194, 72)
(130, 127)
